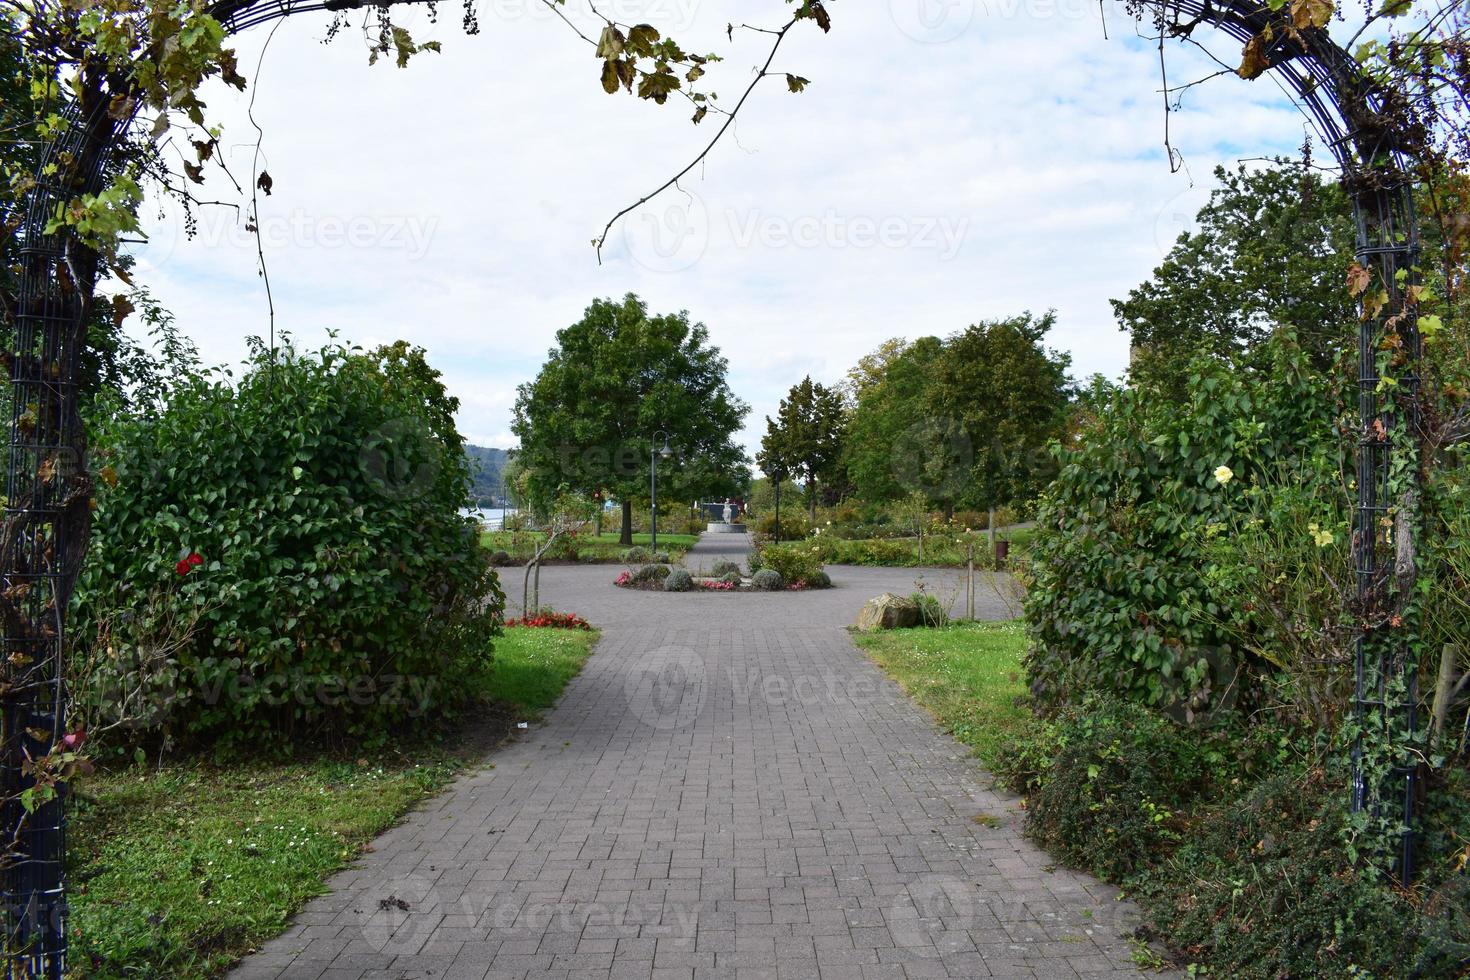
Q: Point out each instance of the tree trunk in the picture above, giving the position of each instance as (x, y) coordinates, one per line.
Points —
(778, 511)
(1448, 667)
(949, 512)
(990, 527)
(626, 538)
(811, 492)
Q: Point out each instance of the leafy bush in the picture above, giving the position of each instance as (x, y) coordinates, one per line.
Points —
(794, 526)
(1114, 779)
(768, 580)
(821, 580)
(1121, 598)
(732, 577)
(678, 580)
(331, 584)
(636, 555)
(795, 562)
(499, 558)
(1274, 858)
(661, 556)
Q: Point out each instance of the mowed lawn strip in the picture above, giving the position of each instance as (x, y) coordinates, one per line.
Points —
(178, 872)
(967, 675)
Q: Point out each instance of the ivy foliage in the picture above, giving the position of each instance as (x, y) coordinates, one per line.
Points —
(284, 557)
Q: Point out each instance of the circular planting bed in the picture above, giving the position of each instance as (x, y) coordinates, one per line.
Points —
(663, 578)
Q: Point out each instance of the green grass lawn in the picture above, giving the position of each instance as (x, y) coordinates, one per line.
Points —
(520, 545)
(967, 675)
(179, 871)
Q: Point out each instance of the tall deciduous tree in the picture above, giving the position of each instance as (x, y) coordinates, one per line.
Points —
(616, 377)
(811, 426)
(1009, 394)
(895, 447)
(1270, 250)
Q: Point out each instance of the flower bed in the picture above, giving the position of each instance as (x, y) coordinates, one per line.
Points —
(547, 619)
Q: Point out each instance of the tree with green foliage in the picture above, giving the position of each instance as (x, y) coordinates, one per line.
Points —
(617, 377)
(1009, 394)
(1271, 249)
(810, 429)
(895, 447)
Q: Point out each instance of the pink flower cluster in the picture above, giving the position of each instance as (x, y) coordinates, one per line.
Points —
(719, 585)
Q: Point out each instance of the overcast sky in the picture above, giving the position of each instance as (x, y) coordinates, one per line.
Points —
(953, 160)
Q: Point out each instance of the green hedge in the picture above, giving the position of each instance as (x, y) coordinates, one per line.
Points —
(336, 590)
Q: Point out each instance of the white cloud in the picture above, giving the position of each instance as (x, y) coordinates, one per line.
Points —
(914, 188)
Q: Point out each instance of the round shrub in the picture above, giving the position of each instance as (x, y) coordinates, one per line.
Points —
(289, 548)
(678, 581)
(500, 558)
(651, 573)
(768, 580)
(732, 577)
(636, 555)
(661, 556)
(821, 580)
(724, 567)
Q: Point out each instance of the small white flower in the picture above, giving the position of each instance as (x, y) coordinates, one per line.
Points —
(1224, 474)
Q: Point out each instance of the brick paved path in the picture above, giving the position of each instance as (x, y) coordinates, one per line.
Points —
(730, 789)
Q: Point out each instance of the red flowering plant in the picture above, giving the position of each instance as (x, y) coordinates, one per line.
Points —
(549, 619)
(189, 563)
(718, 585)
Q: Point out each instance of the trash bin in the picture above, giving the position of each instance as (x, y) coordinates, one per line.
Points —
(1002, 553)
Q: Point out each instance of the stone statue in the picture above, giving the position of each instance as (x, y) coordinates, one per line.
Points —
(728, 515)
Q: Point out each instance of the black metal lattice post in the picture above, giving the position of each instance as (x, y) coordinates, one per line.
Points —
(47, 522)
(1385, 527)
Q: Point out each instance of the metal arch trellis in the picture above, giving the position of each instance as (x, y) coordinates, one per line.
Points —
(47, 514)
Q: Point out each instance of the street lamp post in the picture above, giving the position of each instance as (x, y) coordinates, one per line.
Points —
(653, 458)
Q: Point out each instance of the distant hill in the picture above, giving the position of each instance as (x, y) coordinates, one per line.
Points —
(486, 466)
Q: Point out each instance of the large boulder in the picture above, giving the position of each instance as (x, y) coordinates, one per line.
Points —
(888, 611)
